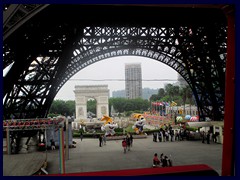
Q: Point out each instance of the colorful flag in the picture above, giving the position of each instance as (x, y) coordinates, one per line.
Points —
(173, 103)
(166, 103)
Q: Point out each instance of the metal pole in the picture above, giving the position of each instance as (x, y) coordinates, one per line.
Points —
(61, 151)
(229, 146)
(8, 141)
(46, 140)
(67, 141)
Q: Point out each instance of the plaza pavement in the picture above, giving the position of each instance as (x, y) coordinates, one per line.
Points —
(89, 157)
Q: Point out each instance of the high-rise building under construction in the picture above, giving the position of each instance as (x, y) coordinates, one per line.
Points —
(133, 80)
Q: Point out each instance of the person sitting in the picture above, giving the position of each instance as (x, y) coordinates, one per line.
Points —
(165, 162)
(161, 158)
(156, 161)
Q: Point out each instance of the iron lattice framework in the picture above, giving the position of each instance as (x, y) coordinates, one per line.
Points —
(52, 55)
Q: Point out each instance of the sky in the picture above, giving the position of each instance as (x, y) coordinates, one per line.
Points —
(113, 69)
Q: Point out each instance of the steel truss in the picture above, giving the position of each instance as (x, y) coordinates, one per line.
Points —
(54, 54)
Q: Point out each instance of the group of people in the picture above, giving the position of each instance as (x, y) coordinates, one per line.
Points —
(166, 133)
(208, 136)
(127, 142)
(163, 161)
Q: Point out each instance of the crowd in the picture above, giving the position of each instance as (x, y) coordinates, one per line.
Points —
(166, 133)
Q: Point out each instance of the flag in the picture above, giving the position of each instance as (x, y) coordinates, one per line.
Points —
(173, 103)
(166, 104)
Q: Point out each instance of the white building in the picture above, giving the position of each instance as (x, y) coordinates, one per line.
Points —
(133, 80)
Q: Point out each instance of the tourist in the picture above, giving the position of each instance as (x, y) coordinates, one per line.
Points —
(156, 161)
(131, 139)
(165, 161)
(100, 140)
(128, 140)
(81, 135)
(176, 135)
(160, 136)
(203, 137)
(53, 147)
(124, 145)
(104, 139)
(208, 137)
(161, 158)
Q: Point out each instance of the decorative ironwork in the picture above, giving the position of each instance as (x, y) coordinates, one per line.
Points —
(17, 14)
(54, 54)
(33, 124)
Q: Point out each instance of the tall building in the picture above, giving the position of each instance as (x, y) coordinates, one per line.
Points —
(133, 80)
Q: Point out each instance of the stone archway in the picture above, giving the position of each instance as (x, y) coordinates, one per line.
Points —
(83, 93)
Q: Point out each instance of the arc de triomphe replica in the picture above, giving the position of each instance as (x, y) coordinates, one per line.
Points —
(98, 92)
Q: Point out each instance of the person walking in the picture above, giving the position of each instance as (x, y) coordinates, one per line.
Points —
(104, 139)
(81, 135)
(53, 147)
(160, 136)
(164, 135)
(128, 142)
(155, 136)
(208, 137)
(176, 135)
(203, 137)
(172, 134)
(131, 140)
(124, 145)
(100, 140)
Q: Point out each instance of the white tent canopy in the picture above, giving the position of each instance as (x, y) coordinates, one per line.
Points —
(199, 124)
(205, 124)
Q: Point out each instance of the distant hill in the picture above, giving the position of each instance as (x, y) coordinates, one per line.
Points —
(146, 93)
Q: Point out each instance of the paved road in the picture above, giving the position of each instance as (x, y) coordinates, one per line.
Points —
(23, 164)
(88, 156)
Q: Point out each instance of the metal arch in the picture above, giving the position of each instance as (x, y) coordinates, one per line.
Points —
(198, 81)
(24, 97)
(76, 66)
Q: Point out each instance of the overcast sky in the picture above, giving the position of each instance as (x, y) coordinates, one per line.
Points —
(114, 69)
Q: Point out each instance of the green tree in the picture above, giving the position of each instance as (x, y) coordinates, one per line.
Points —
(91, 105)
(62, 107)
(176, 91)
(190, 96)
(161, 93)
(118, 104)
(122, 104)
(169, 91)
(183, 93)
(70, 106)
(154, 97)
(166, 99)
